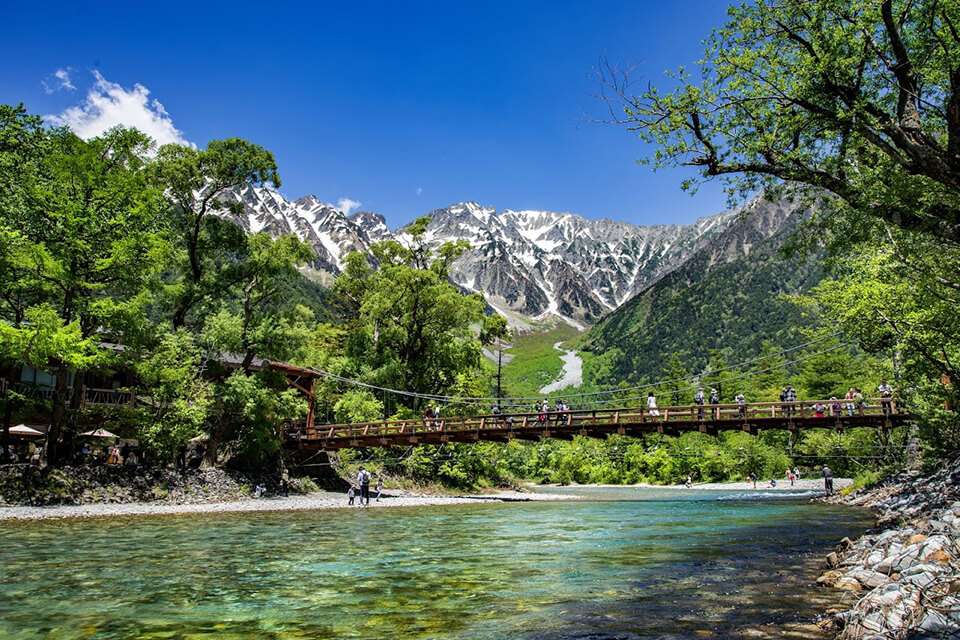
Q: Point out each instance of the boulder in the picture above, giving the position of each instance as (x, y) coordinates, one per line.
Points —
(938, 555)
(936, 626)
(829, 578)
(923, 575)
(869, 578)
(848, 584)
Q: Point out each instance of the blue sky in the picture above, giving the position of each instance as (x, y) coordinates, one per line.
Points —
(393, 107)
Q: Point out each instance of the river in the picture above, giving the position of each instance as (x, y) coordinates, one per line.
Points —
(623, 563)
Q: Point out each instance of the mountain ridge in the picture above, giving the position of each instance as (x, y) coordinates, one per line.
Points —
(729, 297)
(531, 265)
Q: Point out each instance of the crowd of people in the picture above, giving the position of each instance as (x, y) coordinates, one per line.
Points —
(708, 405)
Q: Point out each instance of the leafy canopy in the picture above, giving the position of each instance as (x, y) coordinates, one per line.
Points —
(858, 97)
(413, 329)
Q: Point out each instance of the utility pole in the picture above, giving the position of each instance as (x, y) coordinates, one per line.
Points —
(499, 366)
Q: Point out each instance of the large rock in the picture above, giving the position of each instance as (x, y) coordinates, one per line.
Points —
(869, 578)
(848, 583)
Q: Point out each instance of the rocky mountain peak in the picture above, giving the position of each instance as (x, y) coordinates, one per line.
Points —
(530, 264)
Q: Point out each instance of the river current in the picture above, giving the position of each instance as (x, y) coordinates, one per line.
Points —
(621, 563)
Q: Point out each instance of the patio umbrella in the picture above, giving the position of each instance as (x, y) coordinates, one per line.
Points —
(24, 430)
(99, 433)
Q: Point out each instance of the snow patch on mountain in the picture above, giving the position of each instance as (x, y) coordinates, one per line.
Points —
(532, 264)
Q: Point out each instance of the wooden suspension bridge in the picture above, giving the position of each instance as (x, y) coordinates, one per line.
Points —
(600, 423)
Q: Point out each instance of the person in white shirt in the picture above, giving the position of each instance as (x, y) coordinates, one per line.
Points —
(886, 393)
(652, 405)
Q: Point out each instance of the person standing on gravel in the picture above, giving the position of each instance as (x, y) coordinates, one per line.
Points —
(363, 479)
(827, 479)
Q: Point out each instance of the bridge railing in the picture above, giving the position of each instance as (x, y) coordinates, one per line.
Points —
(827, 410)
(89, 396)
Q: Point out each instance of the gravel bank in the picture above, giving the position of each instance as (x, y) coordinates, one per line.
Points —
(311, 501)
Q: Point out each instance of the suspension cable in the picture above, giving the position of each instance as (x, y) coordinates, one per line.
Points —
(448, 398)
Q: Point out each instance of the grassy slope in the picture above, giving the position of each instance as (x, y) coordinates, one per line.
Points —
(536, 363)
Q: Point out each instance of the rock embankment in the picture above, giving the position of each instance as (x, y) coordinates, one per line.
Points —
(904, 580)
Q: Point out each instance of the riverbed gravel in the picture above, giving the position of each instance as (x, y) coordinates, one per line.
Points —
(293, 502)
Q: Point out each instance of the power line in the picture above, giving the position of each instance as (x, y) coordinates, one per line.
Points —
(447, 398)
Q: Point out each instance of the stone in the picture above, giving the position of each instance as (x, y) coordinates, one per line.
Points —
(936, 626)
(848, 584)
(938, 555)
(832, 559)
(869, 578)
(916, 538)
(829, 578)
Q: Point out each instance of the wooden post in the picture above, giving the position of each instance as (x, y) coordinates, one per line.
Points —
(311, 404)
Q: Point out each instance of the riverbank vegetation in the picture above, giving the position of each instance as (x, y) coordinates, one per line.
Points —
(119, 269)
(118, 265)
(852, 106)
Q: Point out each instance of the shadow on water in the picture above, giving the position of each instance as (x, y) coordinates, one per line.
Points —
(625, 566)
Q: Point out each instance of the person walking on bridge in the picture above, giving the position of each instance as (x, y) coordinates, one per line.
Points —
(699, 401)
(714, 400)
(790, 396)
(652, 405)
(886, 397)
(741, 401)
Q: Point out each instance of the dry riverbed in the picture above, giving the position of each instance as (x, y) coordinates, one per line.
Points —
(293, 502)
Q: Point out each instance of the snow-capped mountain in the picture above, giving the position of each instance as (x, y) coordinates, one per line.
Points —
(527, 263)
(538, 262)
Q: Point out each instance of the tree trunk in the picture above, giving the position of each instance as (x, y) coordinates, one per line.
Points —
(7, 374)
(58, 412)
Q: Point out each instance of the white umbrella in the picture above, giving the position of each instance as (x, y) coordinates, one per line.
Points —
(24, 430)
(100, 433)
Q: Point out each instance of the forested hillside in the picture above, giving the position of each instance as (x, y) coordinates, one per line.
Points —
(729, 297)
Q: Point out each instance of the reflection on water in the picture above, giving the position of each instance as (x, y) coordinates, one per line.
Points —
(628, 564)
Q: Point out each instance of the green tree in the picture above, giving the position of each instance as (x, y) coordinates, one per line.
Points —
(899, 295)
(678, 387)
(89, 239)
(177, 398)
(860, 98)
(767, 375)
(197, 182)
(411, 328)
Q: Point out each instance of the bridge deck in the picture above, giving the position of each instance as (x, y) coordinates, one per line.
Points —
(673, 421)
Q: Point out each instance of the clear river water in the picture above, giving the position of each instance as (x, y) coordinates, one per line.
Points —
(623, 563)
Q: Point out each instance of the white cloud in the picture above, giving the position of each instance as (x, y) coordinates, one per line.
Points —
(108, 105)
(346, 205)
(419, 191)
(58, 81)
